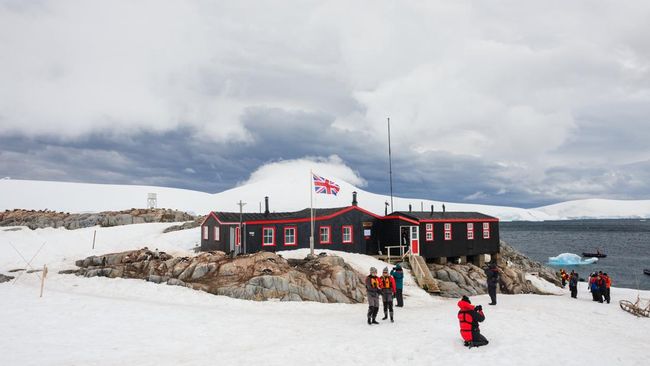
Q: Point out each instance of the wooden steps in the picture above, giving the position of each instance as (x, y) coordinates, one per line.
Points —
(422, 274)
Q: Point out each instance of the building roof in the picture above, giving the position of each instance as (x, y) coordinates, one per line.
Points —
(441, 216)
(302, 214)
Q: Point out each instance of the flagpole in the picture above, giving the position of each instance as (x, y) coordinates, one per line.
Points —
(311, 216)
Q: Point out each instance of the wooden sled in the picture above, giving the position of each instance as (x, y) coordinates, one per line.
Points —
(635, 308)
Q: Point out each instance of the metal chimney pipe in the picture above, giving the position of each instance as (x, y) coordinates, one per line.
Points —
(354, 198)
(409, 207)
(431, 208)
(266, 205)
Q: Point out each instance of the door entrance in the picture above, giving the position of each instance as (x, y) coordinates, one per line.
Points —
(410, 238)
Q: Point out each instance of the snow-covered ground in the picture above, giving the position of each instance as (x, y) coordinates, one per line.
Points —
(101, 321)
(286, 193)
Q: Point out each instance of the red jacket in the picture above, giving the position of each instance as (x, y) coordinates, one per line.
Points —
(469, 318)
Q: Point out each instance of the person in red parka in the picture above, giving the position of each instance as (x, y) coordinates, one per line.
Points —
(469, 316)
(387, 286)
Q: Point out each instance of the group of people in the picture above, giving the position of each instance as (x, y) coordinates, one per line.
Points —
(599, 284)
(387, 286)
(390, 285)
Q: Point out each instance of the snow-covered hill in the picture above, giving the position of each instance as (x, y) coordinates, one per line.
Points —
(288, 188)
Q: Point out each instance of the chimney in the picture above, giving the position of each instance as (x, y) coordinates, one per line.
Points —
(409, 207)
(354, 198)
(443, 208)
(385, 208)
(431, 209)
(266, 205)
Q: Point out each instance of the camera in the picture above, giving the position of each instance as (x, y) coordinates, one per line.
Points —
(479, 307)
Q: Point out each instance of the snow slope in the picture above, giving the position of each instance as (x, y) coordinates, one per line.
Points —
(101, 321)
(285, 194)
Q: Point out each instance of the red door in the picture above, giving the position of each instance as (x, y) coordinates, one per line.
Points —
(415, 240)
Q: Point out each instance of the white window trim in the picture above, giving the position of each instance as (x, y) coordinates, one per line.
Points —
(295, 230)
(272, 243)
(470, 231)
(486, 230)
(429, 235)
(217, 233)
(349, 241)
(448, 235)
(327, 233)
(205, 233)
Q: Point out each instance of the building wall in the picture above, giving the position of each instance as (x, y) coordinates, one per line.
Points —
(459, 245)
(223, 244)
(356, 219)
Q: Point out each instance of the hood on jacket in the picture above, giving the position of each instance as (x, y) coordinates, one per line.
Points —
(464, 305)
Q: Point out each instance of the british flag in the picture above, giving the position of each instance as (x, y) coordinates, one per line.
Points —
(323, 185)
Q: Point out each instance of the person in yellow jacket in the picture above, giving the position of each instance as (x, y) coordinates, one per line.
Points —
(387, 286)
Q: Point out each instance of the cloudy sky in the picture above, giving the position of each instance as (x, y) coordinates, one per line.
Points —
(504, 102)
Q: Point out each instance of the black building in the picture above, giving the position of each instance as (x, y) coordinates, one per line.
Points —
(349, 229)
(353, 229)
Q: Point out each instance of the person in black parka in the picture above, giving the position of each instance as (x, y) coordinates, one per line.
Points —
(492, 274)
(573, 284)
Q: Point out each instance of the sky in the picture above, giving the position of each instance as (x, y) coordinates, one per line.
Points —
(506, 103)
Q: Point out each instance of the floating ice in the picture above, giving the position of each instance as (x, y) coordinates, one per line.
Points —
(569, 259)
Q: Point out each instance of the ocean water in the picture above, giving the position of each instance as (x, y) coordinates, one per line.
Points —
(626, 243)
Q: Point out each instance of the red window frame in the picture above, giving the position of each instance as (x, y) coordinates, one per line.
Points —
(237, 235)
(428, 236)
(447, 226)
(486, 230)
(295, 236)
(470, 231)
(351, 241)
(217, 233)
(205, 232)
(329, 234)
(272, 243)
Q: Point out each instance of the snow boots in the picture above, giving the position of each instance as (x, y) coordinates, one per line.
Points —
(372, 315)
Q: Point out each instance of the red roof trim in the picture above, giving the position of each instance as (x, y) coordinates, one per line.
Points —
(459, 220)
(332, 215)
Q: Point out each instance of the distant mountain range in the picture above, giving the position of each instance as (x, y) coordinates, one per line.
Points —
(285, 194)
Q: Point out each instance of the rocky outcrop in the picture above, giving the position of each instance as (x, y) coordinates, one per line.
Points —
(186, 225)
(4, 278)
(35, 219)
(259, 276)
(456, 280)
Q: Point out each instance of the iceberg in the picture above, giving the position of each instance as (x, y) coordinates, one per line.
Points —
(570, 259)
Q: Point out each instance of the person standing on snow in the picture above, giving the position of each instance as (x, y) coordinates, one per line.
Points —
(387, 286)
(398, 275)
(373, 290)
(608, 285)
(469, 316)
(492, 274)
(573, 284)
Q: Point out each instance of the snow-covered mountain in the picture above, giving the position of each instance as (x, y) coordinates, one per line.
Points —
(285, 194)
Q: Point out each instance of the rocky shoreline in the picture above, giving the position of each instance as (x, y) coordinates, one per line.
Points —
(456, 280)
(259, 276)
(38, 219)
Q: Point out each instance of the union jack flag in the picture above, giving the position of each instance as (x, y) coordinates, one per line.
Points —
(326, 186)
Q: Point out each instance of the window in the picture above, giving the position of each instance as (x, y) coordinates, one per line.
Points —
(217, 233)
(268, 236)
(429, 232)
(486, 230)
(447, 231)
(347, 234)
(470, 231)
(237, 235)
(205, 233)
(324, 234)
(290, 236)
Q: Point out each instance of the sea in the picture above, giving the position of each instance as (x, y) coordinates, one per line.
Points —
(626, 243)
